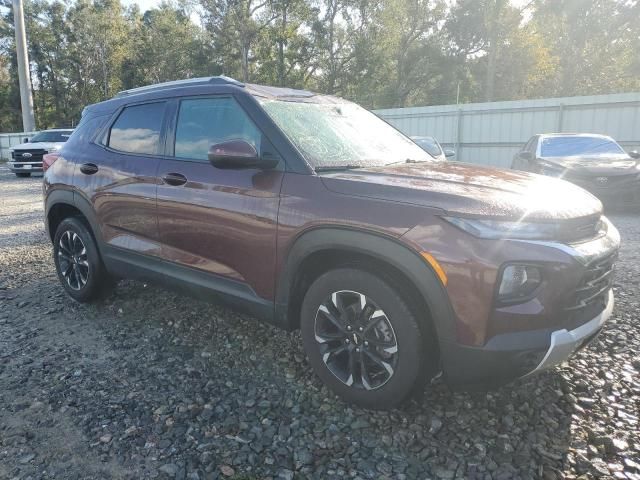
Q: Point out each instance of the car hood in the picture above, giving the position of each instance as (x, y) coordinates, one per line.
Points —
(469, 190)
(597, 165)
(36, 145)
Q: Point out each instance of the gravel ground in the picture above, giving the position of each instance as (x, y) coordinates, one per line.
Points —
(149, 384)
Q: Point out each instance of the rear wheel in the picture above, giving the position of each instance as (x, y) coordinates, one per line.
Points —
(78, 263)
(22, 174)
(363, 338)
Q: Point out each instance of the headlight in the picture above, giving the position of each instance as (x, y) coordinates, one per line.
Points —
(518, 282)
(497, 229)
(55, 148)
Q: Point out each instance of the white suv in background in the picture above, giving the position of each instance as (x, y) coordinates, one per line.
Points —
(26, 158)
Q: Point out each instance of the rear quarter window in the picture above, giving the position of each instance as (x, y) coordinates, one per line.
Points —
(86, 129)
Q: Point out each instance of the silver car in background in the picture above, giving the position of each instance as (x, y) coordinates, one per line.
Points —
(433, 148)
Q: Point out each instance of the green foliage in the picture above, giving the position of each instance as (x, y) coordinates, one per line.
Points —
(380, 53)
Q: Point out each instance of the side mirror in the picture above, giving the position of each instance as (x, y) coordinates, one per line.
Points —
(449, 152)
(634, 154)
(25, 140)
(238, 154)
(528, 156)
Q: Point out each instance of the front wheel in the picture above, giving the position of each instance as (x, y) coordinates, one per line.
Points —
(363, 339)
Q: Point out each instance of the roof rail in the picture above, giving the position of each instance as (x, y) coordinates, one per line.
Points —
(219, 80)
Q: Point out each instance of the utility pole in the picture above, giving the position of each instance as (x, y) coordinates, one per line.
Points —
(24, 78)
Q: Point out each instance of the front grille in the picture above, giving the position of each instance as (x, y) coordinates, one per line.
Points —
(600, 182)
(590, 297)
(32, 155)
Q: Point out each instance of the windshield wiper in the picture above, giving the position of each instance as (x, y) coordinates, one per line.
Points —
(329, 168)
(407, 160)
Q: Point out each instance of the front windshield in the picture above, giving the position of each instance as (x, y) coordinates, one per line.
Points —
(341, 134)
(50, 137)
(571, 146)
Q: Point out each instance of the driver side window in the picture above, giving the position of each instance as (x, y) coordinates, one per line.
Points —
(204, 122)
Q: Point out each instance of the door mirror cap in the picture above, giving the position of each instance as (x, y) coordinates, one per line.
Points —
(526, 156)
(634, 154)
(238, 154)
(449, 153)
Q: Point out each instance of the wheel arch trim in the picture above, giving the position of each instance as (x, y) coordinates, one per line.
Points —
(68, 197)
(386, 249)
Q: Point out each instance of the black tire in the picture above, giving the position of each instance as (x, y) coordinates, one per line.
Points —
(83, 276)
(22, 174)
(411, 363)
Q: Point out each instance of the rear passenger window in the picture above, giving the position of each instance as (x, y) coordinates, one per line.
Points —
(137, 129)
(206, 121)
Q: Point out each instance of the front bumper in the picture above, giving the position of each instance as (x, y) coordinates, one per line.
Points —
(618, 193)
(565, 342)
(25, 167)
(507, 357)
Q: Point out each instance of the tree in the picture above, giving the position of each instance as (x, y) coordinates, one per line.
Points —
(380, 53)
(235, 26)
(153, 58)
(409, 51)
(595, 43)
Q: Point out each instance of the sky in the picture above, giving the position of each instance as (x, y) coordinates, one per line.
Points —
(144, 4)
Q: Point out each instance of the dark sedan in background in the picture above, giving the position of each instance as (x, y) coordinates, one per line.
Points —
(595, 162)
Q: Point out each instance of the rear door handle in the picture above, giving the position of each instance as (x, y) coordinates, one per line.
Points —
(89, 168)
(174, 179)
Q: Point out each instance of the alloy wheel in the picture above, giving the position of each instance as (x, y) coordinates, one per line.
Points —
(356, 339)
(73, 260)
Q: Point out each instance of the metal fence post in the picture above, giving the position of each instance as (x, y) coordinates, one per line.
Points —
(560, 117)
(459, 134)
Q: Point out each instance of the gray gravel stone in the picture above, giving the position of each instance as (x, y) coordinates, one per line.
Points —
(169, 469)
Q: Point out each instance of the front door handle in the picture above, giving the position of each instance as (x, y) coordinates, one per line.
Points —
(174, 179)
(89, 168)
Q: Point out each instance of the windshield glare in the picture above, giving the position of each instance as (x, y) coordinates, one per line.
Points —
(50, 137)
(341, 134)
(574, 146)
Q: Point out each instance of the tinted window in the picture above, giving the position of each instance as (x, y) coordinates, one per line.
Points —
(572, 146)
(429, 145)
(51, 136)
(87, 128)
(207, 121)
(137, 129)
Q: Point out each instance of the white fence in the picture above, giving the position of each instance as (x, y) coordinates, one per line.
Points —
(491, 133)
(8, 140)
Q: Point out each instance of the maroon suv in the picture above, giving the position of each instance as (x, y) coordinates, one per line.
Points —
(310, 212)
